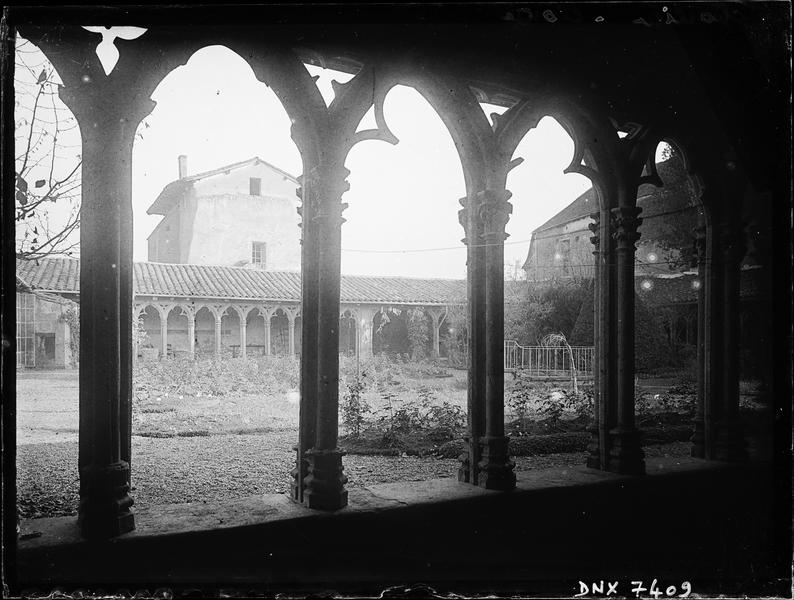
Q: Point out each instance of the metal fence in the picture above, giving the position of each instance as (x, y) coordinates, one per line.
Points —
(549, 362)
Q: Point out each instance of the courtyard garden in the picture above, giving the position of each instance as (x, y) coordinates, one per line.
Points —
(216, 429)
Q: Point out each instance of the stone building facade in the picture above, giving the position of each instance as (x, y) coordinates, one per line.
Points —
(244, 214)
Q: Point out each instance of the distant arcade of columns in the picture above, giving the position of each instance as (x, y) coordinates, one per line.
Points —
(174, 328)
(617, 157)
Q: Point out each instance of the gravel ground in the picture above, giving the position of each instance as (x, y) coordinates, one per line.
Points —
(216, 468)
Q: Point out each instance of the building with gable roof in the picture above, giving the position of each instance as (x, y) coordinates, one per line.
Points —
(243, 215)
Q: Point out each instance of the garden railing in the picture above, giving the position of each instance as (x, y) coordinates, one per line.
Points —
(549, 362)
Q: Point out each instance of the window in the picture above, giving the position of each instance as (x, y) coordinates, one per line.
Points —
(255, 186)
(26, 354)
(259, 254)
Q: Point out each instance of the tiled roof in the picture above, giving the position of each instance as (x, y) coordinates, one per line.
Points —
(173, 190)
(583, 206)
(587, 203)
(235, 283)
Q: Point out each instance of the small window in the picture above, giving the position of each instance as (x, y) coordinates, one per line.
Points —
(255, 186)
(259, 254)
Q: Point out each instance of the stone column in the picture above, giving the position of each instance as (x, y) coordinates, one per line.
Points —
(469, 218)
(164, 312)
(698, 438)
(626, 455)
(243, 329)
(191, 334)
(218, 331)
(365, 316)
(435, 317)
(291, 333)
(495, 467)
(310, 252)
(730, 443)
(594, 458)
(323, 481)
(266, 316)
(108, 111)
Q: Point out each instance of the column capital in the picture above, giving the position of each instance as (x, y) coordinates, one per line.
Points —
(463, 218)
(627, 222)
(493, 211)
(595, 227)
(323, 187)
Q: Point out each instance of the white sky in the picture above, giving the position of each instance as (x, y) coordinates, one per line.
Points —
(403, 200)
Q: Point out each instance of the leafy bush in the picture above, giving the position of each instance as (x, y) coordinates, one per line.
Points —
(353, 408)
(522, 392)
(531, 445)
(215, 376)
(569, 442)
(558, 402)
(418, 333)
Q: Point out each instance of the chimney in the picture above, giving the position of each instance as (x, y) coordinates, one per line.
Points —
(182, 166)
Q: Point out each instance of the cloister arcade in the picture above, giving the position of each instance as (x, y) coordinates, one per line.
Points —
(187, 329)
(616, 115)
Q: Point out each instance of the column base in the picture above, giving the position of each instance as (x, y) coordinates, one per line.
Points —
(730, 445)
(698, 439)
(298, 474)
(105, 502)
(495, 470)
(626, 456)
(324, 485)
(593, 448)
(464, 470)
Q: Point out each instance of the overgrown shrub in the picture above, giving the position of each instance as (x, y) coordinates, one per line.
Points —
(569, 442)
(539, 309)
(531, 445)
(519, 397)
(215, 376)
(559, 402)
(354, 408)
(418, 333)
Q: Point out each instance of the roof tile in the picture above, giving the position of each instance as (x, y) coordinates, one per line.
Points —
(236, 283)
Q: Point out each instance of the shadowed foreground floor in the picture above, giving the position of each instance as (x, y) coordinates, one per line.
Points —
(706, 523)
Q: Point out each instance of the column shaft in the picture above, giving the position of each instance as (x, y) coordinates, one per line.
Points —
(330, 236)
(164, 334)
(310, 252)
(105, 315)
(291, 334)
(243, 331)
(191, 336)
(436, 339)
(594, 458)
(626, 455)
(475, 322)
(323, 483)
(218, 331)
(730, 438)
(496, 468)
(365, 316)
(267, 334)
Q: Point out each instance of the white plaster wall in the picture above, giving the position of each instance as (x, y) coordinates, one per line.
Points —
(225, 227)
(217, 220)
(237, 182)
